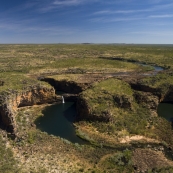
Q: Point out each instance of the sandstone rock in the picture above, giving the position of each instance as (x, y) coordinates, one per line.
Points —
(39, 95)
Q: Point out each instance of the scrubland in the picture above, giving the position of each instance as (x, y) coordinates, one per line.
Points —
(119, 127)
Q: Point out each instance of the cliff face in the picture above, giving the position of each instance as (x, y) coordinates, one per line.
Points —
(70, 86)
(73, 83)
(33, 97)
(67, 86)
(152, 96)
(82, 109)
(168, 96)
(147, 100)
(104, 100)
(39, 95)
(145, 96)
(88, 112)
(85, 112)
(7, 120)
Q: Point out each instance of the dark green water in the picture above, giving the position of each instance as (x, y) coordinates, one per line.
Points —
(165, 110)
(58, 119)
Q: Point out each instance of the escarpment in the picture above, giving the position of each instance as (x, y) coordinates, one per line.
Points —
(98, 98)
(168, 96)
(7, 119)
(32, 96)
(67, 86)
(116, 107)
(73, 83)
(98, 103)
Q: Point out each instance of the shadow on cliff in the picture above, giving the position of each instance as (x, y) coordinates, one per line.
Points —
(69, 114)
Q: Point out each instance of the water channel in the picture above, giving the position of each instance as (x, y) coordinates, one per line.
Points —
(58, 120)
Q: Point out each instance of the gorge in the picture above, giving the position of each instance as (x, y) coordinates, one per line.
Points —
(143, 94)
(113, 104)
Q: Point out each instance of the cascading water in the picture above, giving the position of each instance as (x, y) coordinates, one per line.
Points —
(63, 99)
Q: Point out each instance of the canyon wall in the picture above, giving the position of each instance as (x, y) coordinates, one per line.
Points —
(33, 96)
(68, 86)
(143, 95)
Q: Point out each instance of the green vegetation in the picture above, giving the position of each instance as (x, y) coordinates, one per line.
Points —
(119, 162)
(114, 100)
(18, 82)
(92, 65)
(103, 94)
(161, 81)
(7, 162)
(114, 113)
(23, 58)
(18, 60)
(44, 58)
(113, 110)
(161, 170)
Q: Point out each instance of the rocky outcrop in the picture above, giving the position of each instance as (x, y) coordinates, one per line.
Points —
(145, 96)
(84, 112)
(33, 96)
(123, 101)
(7, 120)
(147, 100)
(151, 96)
(162, 92)
(82, 108)
(136, 85)
(168, 96)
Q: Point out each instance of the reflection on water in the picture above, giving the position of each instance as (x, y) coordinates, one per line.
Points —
(166, 110)
(58, 119)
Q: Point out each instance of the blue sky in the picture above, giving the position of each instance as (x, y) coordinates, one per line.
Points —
(80, 21)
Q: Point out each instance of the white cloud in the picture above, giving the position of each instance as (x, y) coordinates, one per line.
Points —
(53, 5)
(116, 19)
(120, 11)
(163, 6)
(161, 16)
(156, 6)
(67, 2)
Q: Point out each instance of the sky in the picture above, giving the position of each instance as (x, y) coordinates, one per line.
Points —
(86, 21)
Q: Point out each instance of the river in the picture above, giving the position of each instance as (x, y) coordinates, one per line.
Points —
(58, 120)
(165, 110)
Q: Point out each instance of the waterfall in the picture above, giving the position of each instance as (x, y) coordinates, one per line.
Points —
(63, 99)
